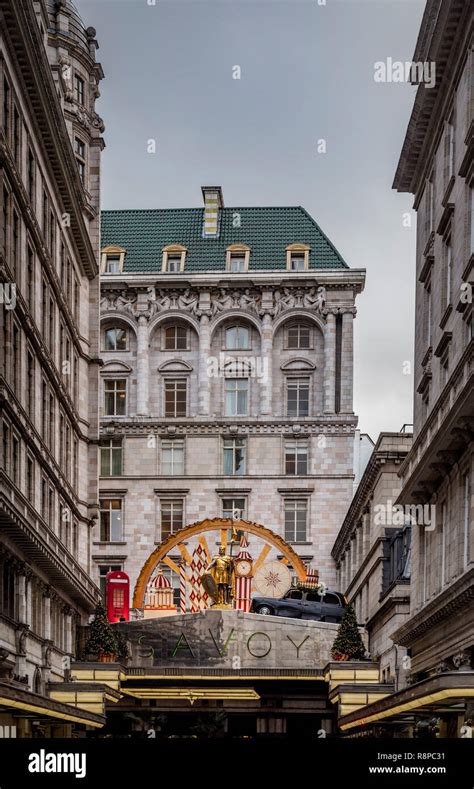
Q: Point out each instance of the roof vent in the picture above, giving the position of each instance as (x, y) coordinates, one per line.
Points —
(213, 202)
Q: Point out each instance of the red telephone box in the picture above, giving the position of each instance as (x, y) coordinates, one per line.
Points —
(117, 586)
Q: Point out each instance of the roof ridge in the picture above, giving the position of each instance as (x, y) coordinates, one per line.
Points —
(201, 208)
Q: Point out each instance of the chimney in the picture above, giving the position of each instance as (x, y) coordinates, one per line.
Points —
(213, 202)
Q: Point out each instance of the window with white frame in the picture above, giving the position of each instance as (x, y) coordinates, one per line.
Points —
(234, 456)
(111, 520)
(237, 338)
(236, 396)
(172, 456)
(175, 397)
(296, 457)
(173, 259)
(176, 338)
(297, 396)
(237, 262)
(173, 263)
(111, 457)
(115, 394)
(112, 264)
(171, 516)
(234, 507)
(115, 339)
(297, 261)
(296, 515)
(298, 336)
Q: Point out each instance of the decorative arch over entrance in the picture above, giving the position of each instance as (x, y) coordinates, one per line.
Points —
(212, 524)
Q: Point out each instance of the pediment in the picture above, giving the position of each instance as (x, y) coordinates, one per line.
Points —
(298, 364)
(175, 366)
(116, 366)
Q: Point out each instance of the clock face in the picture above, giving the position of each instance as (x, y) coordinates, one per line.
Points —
(244, 567)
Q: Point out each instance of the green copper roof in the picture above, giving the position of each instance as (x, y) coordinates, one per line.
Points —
(267, 231)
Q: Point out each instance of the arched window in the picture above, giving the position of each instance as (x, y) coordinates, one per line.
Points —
(237, 338)
(175, 338)
(115, 339)
(298, 336)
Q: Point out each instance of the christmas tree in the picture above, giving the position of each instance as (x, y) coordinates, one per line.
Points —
(348, 644)
(102, 639)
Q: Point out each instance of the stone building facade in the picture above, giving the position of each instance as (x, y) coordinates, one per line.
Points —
(50, 146)
(372, 553)
(227, 347)
(436, 166)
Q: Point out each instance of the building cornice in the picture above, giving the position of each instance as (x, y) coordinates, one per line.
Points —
(443, 40)
(333, 424)
(33, 69)
(452, 600)
(330, 278)
(377, 460)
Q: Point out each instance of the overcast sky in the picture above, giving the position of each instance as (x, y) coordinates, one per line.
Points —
(307, 74)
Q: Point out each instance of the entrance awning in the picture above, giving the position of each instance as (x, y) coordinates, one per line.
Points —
(13, 699)
(444, 693)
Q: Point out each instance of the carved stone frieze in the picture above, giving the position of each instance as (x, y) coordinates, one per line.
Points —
(222, 300)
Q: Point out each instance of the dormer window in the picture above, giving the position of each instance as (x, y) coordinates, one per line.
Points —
(297, 257)
(173, 259)
(112, 260)
(79, 89)
(112, 264)
(237, 258)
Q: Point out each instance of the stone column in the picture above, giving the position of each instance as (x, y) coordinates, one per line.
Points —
(266, 371)
(366, 531)
(68, 644)
(22, 600)
(142, 366)
(347, 363)
(204, 352)
(47, 617)
(330, 364)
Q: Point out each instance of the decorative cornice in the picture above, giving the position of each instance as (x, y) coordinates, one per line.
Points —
(457, 597)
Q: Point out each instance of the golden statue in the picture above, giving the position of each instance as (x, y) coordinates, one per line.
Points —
(218, 580)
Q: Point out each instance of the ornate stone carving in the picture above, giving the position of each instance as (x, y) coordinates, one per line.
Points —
(462, 660)
(221, 300)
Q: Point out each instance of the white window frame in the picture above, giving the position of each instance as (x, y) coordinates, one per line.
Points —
(299, 445)
(233, 449)
(115, 379)
(291, 380)
(111, 496)
(168, 467)
(170, 500)
(296, 500)
(176, 379)
(234, 391)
